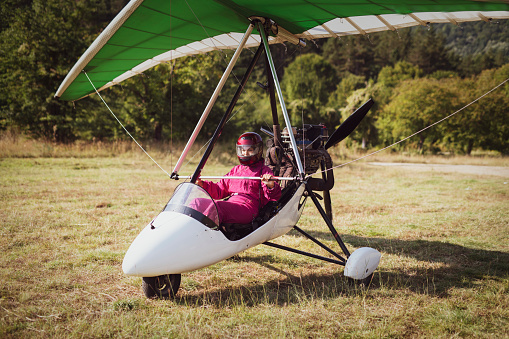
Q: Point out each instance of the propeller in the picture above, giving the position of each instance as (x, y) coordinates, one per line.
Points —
(349, 124)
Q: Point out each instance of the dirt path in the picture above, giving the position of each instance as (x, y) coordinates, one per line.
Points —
(466, 169)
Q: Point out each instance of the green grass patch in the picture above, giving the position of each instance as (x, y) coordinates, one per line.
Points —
(67, 223)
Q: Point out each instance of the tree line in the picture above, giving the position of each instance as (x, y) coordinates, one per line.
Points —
(416, 76)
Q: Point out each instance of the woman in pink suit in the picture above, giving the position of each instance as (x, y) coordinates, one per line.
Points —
(247, 197)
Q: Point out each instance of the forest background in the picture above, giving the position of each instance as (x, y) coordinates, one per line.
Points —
(416, 76)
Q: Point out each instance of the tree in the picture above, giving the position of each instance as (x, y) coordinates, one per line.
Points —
(484, 123)
(307, 83)
(428, 51)
(353, 55)
(346, 86)
(39, 44)
(391, 76)
(366, 133)
(477, 45)
(170, 99)
(417, 104)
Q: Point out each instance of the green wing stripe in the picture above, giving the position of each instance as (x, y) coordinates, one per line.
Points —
(148, 32)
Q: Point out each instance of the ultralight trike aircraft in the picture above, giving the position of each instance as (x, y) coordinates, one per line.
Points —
(146, 33)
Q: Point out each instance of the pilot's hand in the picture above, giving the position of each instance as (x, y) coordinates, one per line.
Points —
(199, 182)
(267, 180)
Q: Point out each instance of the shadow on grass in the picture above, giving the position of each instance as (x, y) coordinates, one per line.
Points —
(291, 289)
(467, 264)
(460, 267)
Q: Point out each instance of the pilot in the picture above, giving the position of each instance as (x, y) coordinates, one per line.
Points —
(247, 197)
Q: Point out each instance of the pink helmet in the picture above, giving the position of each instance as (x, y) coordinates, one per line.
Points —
(249, 148)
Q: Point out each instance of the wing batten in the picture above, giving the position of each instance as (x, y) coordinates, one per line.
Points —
(389, 26)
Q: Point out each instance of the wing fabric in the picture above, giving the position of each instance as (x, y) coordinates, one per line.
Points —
(149, 32)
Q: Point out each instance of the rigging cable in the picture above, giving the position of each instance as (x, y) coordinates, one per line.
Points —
(422, 130)
(125, 129)
(172, 68)
(302, 111)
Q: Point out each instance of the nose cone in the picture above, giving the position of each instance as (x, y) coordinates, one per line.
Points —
(177, 243)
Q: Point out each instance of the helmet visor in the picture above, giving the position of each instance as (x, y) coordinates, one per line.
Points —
(248, 150)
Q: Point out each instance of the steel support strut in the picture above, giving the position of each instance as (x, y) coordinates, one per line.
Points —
(341, 261)
(265, 42)
(328, 221)
(319, 243)
(289, 249)
(326, 193)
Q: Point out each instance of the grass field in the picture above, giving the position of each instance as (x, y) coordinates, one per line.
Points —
(67, 223)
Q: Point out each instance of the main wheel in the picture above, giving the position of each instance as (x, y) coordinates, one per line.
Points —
(366, 281)
(362, 282)
(162, 287)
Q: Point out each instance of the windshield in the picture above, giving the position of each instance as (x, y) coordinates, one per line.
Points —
(194, 201)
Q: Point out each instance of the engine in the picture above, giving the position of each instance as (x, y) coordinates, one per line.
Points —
(310, 140)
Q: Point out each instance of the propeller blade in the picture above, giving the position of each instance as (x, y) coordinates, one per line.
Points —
(349, 124)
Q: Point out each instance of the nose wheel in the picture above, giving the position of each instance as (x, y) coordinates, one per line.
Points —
(161, 287)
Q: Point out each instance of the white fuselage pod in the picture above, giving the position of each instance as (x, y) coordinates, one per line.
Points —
(176, 243)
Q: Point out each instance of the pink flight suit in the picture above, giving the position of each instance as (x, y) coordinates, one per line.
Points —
(247, 196)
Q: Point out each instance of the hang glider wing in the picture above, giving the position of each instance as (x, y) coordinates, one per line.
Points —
(149, 32)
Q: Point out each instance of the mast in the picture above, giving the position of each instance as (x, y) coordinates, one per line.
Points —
(281, 101)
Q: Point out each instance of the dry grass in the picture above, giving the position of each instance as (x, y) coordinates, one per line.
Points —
(67, 222)
(17, 146)
(341, 155)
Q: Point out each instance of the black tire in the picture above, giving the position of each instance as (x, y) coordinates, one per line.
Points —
(361, 282)
(161, 287)
(366, 281)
